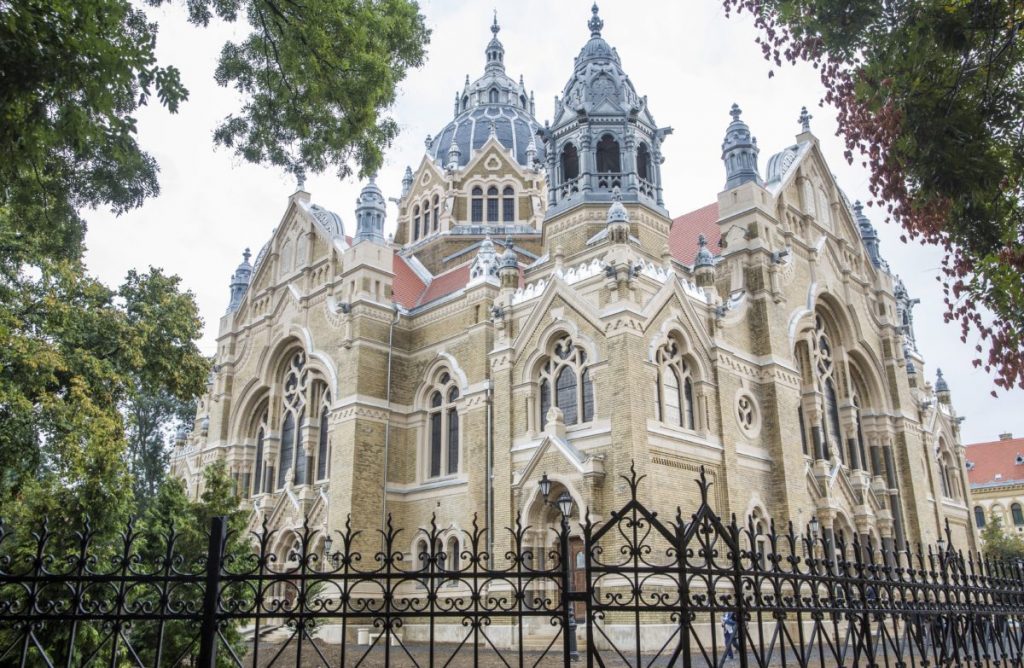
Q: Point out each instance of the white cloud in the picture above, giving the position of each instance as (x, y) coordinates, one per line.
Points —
(689, 60)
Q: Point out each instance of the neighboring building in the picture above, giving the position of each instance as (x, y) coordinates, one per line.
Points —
(996, 472)
(540, 311)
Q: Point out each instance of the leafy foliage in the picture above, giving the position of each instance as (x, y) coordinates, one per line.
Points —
(930, 93)
(998, 544)
(317, 77)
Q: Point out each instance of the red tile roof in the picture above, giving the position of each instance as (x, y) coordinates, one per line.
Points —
(406, 287)
(995, 462)
(445, 284)
(682, 238)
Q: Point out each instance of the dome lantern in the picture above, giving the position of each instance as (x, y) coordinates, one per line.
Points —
(739, 152)
(240, 281)
(371, 211)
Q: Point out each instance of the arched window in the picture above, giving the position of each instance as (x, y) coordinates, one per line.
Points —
(443, 432)
(465, 102)
(492, 96)
(302, 461)
(570, 162)
(1018, 515)
(453, 553)
(416, 222)
(287, 448)
(437, 212)
(508, 205)
(426, 217)
(492, 205)
(979, 517)
(565, 372)
(421, 554)
(477, 205)
(835, 431)
(675, 386)
(643, 162)
(608, 155)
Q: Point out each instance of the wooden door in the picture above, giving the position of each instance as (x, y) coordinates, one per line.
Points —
(578, 574)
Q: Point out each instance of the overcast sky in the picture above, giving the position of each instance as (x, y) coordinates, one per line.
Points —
(688, 59)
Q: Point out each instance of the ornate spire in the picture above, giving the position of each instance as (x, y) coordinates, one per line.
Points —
(495, 49)
(595, 23)
(739, 152)
(940, 382)
(805, 120)
(407, 181)
(704, 257)
(454, 154)
(868, 234)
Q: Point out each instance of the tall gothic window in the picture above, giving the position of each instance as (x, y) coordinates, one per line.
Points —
(416, 222)
(437, 212)
(508, 205)
(291, 456)
(565, 383)
(831, 427)
(608, 155)
(675, 387)
(492, 205)
(492, 96)
(570, 162)
(477, 205)
(426, 217)
(1018, 515)
(643, 162)
(443, 427)
(979, 517)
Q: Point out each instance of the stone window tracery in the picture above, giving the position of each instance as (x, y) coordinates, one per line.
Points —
(508, 205)
(258, 484)
(437, 212)
(477, 205)
(831, 427)
(675, 387)
(291, 458)
(565, 383)
(416, 222)
(442, 427)
(426, 217)
(747, 415)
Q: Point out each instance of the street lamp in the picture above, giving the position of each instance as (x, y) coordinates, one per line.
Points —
(545, 486)
(328, 555)
(565, 504)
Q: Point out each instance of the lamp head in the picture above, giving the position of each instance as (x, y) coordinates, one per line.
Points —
(565, 504)
(545, 486)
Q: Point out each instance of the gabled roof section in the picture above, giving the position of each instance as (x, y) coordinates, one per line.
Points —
(682, 238)
(445, 284)
(996, 462)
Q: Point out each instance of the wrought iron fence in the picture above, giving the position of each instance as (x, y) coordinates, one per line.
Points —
(640, 591)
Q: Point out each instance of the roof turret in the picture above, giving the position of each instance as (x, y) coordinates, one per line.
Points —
(495, 50)
(240, 281)
(485, 264)
(868, 234)
(371, 210)
(704, 256)
(940, 382)
(739, 152)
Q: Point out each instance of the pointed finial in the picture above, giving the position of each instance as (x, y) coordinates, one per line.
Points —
(595, 23)
(495, 28)
(300, 178)
(701, 241)
(858, 208)
(246, 254)
(428, 141)
(616, 194)
(735, 112)
(805, 120)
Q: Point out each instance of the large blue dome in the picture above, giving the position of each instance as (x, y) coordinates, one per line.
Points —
(493, 99)
(514, 127)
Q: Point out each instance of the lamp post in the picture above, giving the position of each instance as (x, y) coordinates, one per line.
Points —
(565, 504)
(328, 552)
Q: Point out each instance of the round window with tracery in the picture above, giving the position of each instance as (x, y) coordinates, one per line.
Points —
(747, 415)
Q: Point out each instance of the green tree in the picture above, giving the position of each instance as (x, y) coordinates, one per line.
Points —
(930, 93)
(998, 544)
(151, 420)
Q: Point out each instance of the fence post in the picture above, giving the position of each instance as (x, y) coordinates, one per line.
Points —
(211, 596)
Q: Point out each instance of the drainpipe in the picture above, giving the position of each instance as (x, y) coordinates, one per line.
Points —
(387, 429)
(489, 488)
